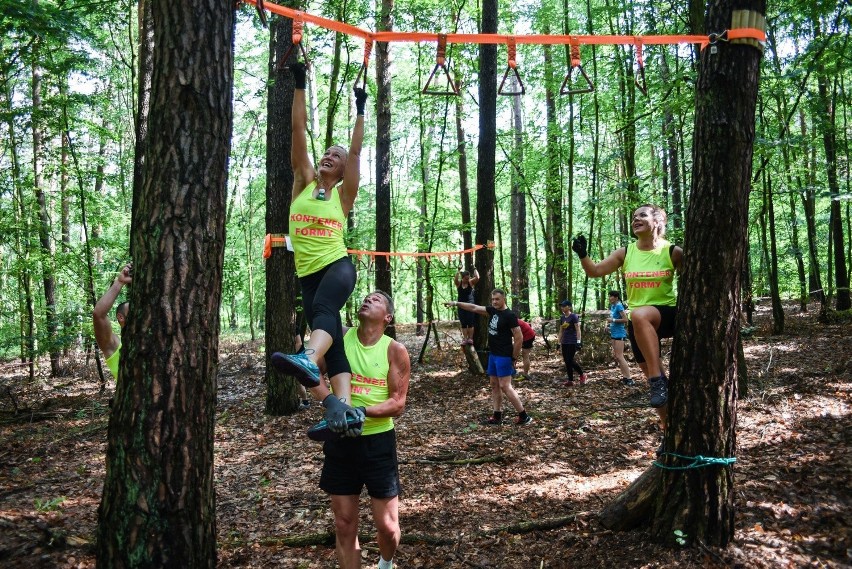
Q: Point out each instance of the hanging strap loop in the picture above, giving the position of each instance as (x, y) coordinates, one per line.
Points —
(576, 62)
(451, 89)
(298, 25)
(362, 73)
(513, 68)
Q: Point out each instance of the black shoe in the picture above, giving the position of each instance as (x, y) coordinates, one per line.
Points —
(628, 381)
(659, 392)
(493, 420)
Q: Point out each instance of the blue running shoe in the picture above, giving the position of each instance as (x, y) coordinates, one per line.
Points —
(299, 366)
(321, 431)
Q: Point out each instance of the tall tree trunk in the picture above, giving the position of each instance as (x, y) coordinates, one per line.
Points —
(143, 103)
(556, 280)
(826, 116)
(777, 308)
(158, 504)
(486, 165)
(22, 244)
(464, 190)
(383, 152)
(520, 256)
(282, 285)
(703, 389)
(47, 269)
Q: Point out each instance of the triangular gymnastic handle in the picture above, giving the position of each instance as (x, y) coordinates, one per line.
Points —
(520, 90)
(434, 90)
(587, 88)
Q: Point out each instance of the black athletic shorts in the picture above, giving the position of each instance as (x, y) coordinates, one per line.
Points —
(666, 330)
(467, 318)
(528, 344)
(352, 463)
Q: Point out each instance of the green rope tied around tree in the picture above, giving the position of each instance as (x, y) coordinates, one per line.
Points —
(697, 461)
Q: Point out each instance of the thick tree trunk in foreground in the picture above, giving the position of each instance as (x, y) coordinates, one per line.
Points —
(158, 504)
(282, 286)
(703, 391)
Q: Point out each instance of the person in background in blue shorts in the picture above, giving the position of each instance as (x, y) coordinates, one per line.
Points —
(465, 283)
(617, 324)
(570, 340)
(504, 344)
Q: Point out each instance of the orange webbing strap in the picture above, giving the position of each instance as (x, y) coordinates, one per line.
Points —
(368, 48)
(440, 64)
(576, 62)
(273, 240)
(747, 32)
(298, 24)
(639, 78)
(513, 67)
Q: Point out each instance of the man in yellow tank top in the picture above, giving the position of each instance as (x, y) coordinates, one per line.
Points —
(381, 370)
(108, 341)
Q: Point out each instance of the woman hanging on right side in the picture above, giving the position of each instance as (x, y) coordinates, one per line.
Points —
(649, 266)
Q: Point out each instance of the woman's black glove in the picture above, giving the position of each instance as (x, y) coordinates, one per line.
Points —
(579, 246)
(298, 70)
(360, 100)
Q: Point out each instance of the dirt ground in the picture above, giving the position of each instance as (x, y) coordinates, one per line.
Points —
(473, 494)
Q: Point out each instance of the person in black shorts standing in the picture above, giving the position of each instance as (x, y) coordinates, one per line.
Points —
(381, 370)
(465, 283)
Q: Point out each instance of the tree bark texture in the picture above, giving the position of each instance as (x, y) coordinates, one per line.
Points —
(383, 154)
(282, 285)
(486, 165)
(158, 504)
(703, 389)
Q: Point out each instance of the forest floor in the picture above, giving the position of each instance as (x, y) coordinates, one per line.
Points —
(472, 494)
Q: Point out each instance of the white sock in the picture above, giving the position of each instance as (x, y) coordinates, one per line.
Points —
(385, 564)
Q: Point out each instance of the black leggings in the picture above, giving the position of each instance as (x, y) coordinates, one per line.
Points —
(568, 352)
(323, 295)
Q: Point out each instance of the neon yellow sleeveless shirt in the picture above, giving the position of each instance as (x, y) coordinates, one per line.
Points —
(112, 361)
(370, 368)
(649, 276)
(316, 230)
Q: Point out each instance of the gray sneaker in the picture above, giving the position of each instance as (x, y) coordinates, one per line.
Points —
(659, 392)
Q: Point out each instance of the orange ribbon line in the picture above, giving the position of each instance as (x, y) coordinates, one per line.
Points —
(537, 39)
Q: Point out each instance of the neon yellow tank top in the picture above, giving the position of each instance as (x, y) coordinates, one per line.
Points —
(370, 368)
(112, 362)
(649, 276)
(316, 231)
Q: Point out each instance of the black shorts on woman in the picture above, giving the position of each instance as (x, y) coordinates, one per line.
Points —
(665, 330)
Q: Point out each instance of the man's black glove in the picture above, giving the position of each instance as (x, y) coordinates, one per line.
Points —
(335, 413)
(360, 100)
(579, 246)
(355, 421)
(299, 72)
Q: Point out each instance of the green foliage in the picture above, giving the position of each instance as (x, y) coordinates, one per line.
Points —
(45, 505)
